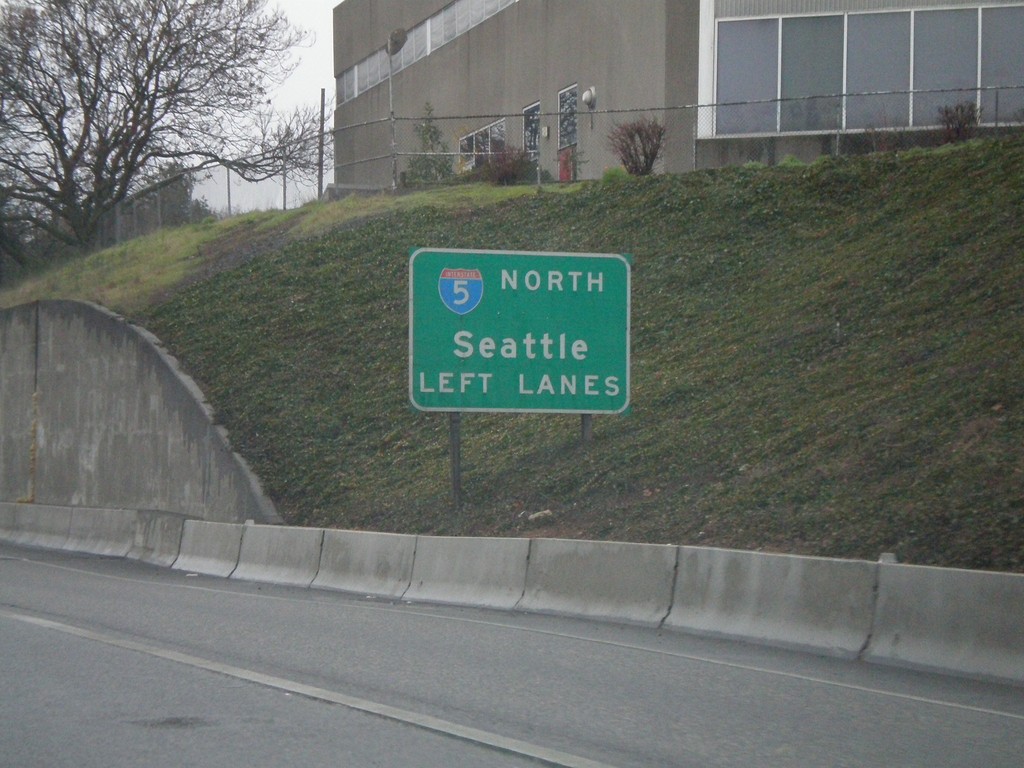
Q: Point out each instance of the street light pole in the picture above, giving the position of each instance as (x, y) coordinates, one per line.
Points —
(395, 42)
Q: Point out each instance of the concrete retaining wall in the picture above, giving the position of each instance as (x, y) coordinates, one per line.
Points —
(605, 580)
(378, 564)
(804, 602)
(94, 414)
(946, 619)
(490, 573)
(209, 548)
(279, 555)
(17, 406)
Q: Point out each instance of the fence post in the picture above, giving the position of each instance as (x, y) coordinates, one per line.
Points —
(696, 133)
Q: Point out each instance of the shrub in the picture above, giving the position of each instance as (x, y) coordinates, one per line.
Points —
(638, 144)
(614, 175)
(959, 121)
(511, 165)
(433, 164)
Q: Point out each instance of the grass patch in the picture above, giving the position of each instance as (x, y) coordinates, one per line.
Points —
(828, 359)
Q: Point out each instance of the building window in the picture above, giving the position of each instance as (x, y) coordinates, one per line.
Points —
(878, 60)
(748, 76)
(893, 68)
(531, 128)
(461, 16)
(443, 27)
(347, 86)
(567, 122)
(945, 58)
(477, 148)
(812, 73)
(1002, 30)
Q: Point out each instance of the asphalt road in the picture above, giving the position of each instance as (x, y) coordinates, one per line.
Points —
(113, 663)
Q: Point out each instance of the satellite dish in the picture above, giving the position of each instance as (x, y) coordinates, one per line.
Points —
(590, 98)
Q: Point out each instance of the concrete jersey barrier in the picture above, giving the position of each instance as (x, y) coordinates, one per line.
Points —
(970, 622)
(368, 563)
(488, 573)
(597, 579)
(967, 622)
(803, 602)
(8, 524)
(209, 548)
(109, 532)
(279, 555)
(157, 538)
(34, 525)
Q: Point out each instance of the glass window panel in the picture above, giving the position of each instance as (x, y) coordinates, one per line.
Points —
(450, 24)
(747, 72)
(878, 59)
(379, 69)
(347, 85)
(364, 72)
(567, 102)
(481, 147)
(498, 136)
(946, 59)
(477, 10)
(1002, 63)
(812, 66)
(437, 30)
(466, 152)
(531, 128)
(421, 42)
(464, 15)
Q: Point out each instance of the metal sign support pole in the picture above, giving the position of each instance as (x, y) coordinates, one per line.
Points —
(455, 448)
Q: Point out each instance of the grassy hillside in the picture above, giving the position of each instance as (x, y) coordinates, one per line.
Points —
(827, 359)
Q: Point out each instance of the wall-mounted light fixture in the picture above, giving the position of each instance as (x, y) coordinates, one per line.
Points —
(589, 99)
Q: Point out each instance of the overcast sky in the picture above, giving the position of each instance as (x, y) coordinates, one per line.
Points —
(314, 71)
(316, 62)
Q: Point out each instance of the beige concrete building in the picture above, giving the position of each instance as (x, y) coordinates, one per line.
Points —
(733, 80)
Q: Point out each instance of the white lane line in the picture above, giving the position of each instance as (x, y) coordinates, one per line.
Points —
(552, 757)
(410, 609)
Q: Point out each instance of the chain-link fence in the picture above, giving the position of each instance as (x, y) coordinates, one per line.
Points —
(534, 146)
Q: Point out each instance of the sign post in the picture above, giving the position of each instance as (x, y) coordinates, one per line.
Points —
(514, 331)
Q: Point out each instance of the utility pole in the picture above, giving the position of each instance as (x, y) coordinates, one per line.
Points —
(320, 149)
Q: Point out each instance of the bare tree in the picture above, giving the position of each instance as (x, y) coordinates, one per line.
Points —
(291, 143)
(638, 144)
(97, 95)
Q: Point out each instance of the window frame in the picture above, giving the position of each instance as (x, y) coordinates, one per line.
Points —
(531, 119)
(567, 118)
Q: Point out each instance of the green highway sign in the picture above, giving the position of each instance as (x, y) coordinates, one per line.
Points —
(518, 331)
